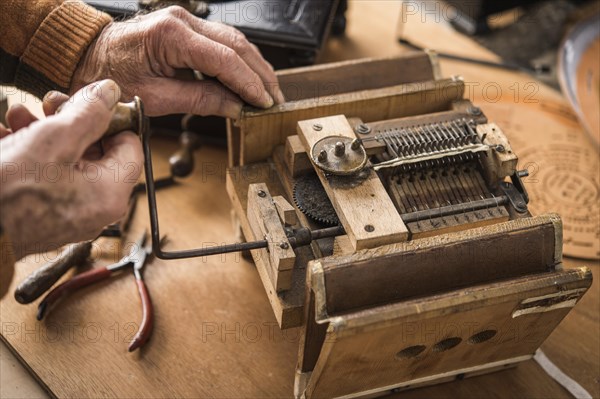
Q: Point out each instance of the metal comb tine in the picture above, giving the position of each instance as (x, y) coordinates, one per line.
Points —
(434, 140)
(406, 144)
(460, 137)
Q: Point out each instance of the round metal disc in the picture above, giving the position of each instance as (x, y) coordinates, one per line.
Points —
(339, 155)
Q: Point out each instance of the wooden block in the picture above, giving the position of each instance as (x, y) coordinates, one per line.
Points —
(342, 246)
(287, 213)
(264, 220)
(438, 336)
(442, 263)
(498, 163)
(295, 157)
(355, 75)
(365, 209)
(263, 130)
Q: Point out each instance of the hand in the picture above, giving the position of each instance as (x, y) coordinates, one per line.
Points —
(58, 184)
(142, 55)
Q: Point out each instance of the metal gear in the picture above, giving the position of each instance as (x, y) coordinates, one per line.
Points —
(310, 197)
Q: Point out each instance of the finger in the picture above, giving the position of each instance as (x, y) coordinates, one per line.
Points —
(236, 40)
(52, 100)
(215, 59)
(18, 117)
(122, 166)
(84, 118)
(4, 131)
(200, 98)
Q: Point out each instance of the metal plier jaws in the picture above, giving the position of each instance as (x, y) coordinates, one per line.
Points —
(136, 258)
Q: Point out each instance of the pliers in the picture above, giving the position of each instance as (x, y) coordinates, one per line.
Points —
(137, 258)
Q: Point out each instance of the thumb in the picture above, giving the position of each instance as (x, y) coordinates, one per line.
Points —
(87, 114)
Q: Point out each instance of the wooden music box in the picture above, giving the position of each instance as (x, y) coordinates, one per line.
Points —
(431, 267)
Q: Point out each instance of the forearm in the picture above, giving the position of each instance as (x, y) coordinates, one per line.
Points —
(43, 41)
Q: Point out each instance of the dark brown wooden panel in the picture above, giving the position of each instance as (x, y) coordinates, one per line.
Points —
(439, 264)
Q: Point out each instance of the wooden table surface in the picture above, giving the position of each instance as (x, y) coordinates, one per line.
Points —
(215, 334)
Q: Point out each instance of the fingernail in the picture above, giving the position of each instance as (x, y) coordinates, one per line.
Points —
(51, 96)
(269, 101)
(279, 96)
(109, 92)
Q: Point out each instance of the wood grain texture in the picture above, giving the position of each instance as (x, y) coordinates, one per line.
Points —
(179, 363)
(285, 210)
(428, 266)
(262, 131)
(362, 350)
(365, 209)
(265, 223)
(287, 306)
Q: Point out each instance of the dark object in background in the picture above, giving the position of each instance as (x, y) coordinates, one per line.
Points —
(530, 39)
(471, 16)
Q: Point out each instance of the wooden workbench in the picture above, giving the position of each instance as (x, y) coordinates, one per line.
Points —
(215, 334)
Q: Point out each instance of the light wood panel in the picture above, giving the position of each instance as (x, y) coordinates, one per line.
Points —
(365, 209)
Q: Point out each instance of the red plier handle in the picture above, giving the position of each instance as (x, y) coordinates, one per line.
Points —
(75, 283)
(147, 323)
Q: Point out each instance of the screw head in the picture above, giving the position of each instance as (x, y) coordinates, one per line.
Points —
(369, 228)
(473, 110)
(262, 194)
(500, 148)
(363, 128)
(355, 146)
(340, 149)
(322, 156)
(318, 127)
(284, 245)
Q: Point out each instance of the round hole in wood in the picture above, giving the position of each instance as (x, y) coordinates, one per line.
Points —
(446, 344)
(482, 336)
(410, 352)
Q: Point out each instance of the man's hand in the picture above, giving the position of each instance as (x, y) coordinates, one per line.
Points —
(58, 184)
(142, 55)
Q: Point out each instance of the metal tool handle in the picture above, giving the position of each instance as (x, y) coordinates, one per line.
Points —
(147, 323)
(77, 282)
(38, 282)
(182, 162)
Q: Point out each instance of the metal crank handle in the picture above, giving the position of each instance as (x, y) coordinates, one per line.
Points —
(127, 116)
(38, 282)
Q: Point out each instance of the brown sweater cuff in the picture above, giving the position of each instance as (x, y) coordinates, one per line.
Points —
(54, 51)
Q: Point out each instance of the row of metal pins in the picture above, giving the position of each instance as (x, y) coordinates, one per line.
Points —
(430, 138)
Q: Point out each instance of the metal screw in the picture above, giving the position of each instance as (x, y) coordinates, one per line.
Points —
(284, 245)
(262, 194)
(473, 110)
(500, 148)
(369, 228)
(340, 149)
(355, 146)
(322, 156)
(318, 127)
(363, 129)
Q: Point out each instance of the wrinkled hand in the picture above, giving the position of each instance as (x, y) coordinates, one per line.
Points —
(142, 55)
(58, 184)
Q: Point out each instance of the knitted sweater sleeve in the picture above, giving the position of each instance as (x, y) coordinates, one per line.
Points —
(42, 42)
